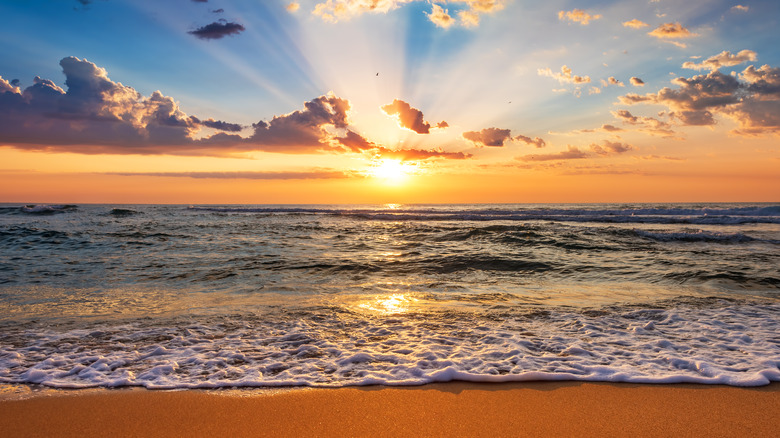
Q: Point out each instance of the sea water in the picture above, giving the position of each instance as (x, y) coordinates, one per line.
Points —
(177, 296)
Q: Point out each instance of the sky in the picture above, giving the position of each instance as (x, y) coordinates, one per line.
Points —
(389, 101)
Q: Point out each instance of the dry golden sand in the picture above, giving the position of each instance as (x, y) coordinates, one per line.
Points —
(454, 409)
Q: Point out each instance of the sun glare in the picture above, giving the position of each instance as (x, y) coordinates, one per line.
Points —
(390, 304)
(391, 171)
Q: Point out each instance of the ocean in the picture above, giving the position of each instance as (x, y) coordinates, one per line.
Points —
(209, 296)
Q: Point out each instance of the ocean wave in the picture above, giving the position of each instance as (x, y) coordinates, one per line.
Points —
(123, 212)
(698, 236)
(723, 343)
(647, 215)
(47, 209)
(17, 234)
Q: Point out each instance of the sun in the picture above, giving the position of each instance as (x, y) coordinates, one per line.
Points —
(391, 171)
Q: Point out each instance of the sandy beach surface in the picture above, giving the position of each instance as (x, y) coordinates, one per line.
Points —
(453, 409)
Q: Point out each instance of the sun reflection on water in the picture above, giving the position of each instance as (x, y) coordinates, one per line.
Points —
(389, 304)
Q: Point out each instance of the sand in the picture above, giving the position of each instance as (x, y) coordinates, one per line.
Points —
(454, 409)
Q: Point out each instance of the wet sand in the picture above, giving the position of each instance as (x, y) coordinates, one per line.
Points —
(452, 409)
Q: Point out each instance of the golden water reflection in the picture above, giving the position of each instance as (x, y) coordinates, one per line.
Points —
(389, 304)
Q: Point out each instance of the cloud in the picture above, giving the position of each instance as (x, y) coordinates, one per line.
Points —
(312, 174)
(442, 125)
(468, 11)
(218, 124)
(217, 30)
(723, 59)
(577, 16)
(488, 137)
(753, 103)
(764, 81)
(636, 24)
(635, 81)
(440, 17)
(606, 148)
(293, 7)
(649, 125)
(468, 18)
(610, 148)
(484, 5)
(697, 93)
(408, 117)
(336, 10)
(9, 87)
(660, 157)
(611, 128)
(99, 116)
(611, 81)
(94, 111)
(671, 31)
(303, 131)
(755, 116)
(419, 154)
(572, 153)
(565, 76)
(740, 8)
(604, 128)
(355, 142)
(536, 141)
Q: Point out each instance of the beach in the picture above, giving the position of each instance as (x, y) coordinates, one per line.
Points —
(445, 409)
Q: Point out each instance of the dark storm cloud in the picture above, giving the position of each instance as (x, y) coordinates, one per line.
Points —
(217, 30)
(219, 125)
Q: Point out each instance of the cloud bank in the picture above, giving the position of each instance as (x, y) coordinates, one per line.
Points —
(99, 116)
(752, 98)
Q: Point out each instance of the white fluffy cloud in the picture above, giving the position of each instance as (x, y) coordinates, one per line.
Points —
(467, 11)
(565, 76)
(723, 59)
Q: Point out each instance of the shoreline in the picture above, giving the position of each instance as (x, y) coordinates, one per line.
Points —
(438, 409)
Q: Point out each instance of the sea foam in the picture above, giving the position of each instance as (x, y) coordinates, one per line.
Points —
(729, 343)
